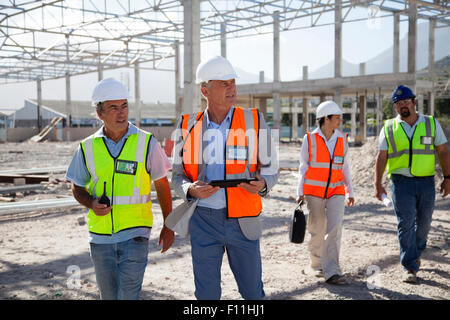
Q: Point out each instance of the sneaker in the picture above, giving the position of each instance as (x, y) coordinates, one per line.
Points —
(410, 276)
(336, 279)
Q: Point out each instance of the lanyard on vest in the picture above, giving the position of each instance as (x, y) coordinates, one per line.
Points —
(136, 198)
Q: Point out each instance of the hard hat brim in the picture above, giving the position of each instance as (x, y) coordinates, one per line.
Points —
(118, 97)
(397, 100)
(223, 78)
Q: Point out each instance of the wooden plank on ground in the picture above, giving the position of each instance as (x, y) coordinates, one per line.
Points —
(29, 179)
(41, 135)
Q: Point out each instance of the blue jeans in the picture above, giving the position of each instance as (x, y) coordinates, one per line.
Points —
(212, 233)
(413, 200)
(120, 267)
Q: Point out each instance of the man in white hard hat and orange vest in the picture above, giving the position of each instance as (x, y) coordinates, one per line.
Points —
(224, 142)
(120, 161)
(324, 180)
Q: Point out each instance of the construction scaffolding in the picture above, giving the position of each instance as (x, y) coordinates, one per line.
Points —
(43, 40)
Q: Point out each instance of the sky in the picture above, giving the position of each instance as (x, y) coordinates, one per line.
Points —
(313, 47)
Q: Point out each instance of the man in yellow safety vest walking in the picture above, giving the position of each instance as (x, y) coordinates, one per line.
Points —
(120, 161)
(407, 146)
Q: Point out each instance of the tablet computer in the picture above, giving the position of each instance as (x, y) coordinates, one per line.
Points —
(230, 183)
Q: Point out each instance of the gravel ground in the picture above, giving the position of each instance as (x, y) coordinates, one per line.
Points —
(45, 255)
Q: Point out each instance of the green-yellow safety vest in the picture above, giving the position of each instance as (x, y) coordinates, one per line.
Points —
(417, 153)
(127, 183)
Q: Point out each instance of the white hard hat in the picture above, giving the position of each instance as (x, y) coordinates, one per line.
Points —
(216, 68)
(108, 89)
(327, 108)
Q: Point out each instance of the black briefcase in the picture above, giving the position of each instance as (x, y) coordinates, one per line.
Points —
(298, 225)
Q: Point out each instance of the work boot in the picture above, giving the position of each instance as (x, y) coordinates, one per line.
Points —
(409, 276)
(336, 279)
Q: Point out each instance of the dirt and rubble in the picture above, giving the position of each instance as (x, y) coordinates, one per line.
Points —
(45, 255)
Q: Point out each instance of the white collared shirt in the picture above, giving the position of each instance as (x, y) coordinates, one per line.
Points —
(331, 143)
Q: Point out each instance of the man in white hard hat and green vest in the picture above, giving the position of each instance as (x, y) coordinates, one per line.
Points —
(120, 161)
(407, 146)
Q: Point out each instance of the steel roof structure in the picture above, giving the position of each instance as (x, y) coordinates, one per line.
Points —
(48, 39)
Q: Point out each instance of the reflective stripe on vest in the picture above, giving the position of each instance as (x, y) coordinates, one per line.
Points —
(242, 137)
(417, 153)
(129, 191)
(192, 132)
(324, 177)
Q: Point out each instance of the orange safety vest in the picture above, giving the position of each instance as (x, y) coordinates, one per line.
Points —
(240, 157)
(324, 177)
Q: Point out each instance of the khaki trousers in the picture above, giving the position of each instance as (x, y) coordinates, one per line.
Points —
(325, 226)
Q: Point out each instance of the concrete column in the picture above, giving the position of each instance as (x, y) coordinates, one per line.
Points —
(178, 103)
(137, 94)
(276, 46)
(396, 53)
(261, 77)
(379, 111)
(191, 91)
(68, 98)
(294, 134)
(263, 106)
(431, 103)
(420, 103)
(338, 97)
(431, 69)
(251, 103)
(362, 69)
(68, 102)
(223, 40)
(276, 105)
(362, 116)
(431, 46)
(353, 118)
(305, 114)
(100, 66)
(338, 39)
(294, 114)
(39, 103)
(412, 36)
(305, 72)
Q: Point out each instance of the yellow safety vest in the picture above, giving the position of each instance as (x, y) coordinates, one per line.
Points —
(416, 153)
(128, 183)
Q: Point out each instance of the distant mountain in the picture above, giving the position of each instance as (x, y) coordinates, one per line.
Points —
(383, 63)
(247, 77)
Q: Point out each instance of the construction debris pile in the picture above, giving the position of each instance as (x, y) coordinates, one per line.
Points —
(362, 160)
